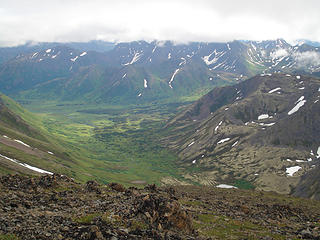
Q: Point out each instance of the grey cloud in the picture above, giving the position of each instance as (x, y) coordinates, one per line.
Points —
(307, 58)
(178, 20)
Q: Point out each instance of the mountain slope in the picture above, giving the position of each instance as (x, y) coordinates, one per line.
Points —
(25, 147)
(263, 130)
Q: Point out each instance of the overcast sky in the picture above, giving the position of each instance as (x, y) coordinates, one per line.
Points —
(177, 20)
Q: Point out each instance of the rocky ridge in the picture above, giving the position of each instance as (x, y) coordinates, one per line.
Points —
(56, 207)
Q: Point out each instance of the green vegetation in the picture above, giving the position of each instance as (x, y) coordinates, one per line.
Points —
(243, 184)
(108, 142)
(87, 219)
(221, 227)
(8, 237)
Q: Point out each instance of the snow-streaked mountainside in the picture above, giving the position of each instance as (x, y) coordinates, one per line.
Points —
(264, 130)
(170, 70)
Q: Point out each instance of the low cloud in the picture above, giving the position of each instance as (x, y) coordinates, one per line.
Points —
(279, 53)
(178, 20)
(307, 58)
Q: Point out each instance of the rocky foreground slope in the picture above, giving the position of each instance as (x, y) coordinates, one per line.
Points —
(56, 207)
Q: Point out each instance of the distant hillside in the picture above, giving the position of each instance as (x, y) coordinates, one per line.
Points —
(263, 131)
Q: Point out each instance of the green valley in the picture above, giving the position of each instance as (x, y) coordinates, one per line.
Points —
(111, 142)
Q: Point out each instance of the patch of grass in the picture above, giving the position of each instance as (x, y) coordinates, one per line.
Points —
(8, 237)
(211, 225)
(243, 184)
(138, 225)
(87, 219)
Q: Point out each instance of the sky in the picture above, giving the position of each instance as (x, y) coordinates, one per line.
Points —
(183, 21)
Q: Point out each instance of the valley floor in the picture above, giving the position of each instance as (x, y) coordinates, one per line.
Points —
(114, 143)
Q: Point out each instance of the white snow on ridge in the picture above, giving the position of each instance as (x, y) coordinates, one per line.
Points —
(172, 77)
(298, 77)
(292, 170)
(135, 58)
(318, 152)
(27, 165)
(83, 54)
(235, 144)
(217, 55)
(154, 49)
(274, 90)
(225, 186)
(140, 94)
(300, 99)
(34, 55)
(18, 141)
(263, 116)
(298, 106)
(48, 50)
(124, 75)
(223, 140)
(145, 83)
(216, 128)
(169, 55)
(5, 136)
(191, 144)
(51, 153)
(74, 59)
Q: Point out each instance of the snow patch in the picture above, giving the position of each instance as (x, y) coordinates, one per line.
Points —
(292, 170)
(300, 161)
(190, 144)
(48, 50)
(263, 116)
(145, 83)
(135, 58)
(225, 186)
(300, 99)
(223, 140)
(26, 165)
(298, 106)
(74, 59)
(140, 94)
(169, 55)
(216, 128)
(235, 144)
(5, 136)
(298, 77)
(172, 77)
(83, 54)
(274, 90)
(124, 75)
(18, 141)
(51, 153)
(194, 161)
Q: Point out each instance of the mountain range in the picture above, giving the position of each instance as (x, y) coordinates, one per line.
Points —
(141, 71)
